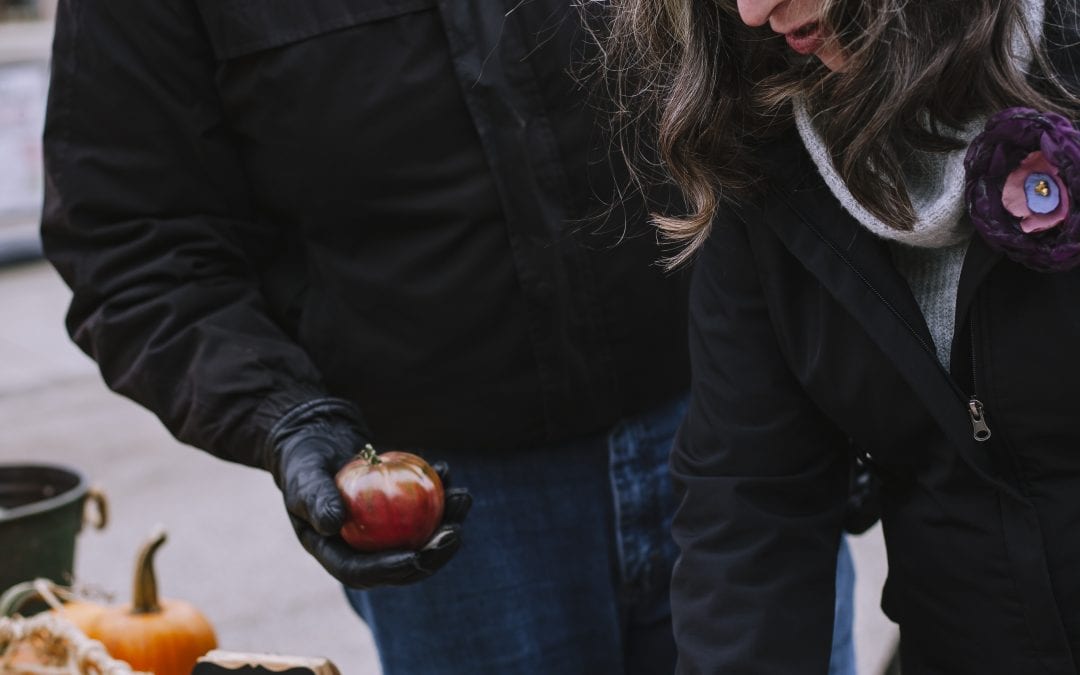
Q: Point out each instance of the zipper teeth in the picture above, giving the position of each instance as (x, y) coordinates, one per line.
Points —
(862, 277)
(974, 380)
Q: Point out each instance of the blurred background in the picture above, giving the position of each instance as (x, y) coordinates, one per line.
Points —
(230, 552)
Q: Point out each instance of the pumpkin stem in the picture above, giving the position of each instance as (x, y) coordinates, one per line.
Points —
(144, 596)
(368, 453)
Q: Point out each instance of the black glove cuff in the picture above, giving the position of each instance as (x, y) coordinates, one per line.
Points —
(322, 416)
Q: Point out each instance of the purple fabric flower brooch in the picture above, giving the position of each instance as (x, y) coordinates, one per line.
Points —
(1020, 173)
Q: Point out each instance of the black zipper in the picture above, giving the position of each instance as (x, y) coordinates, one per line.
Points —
(979, 427)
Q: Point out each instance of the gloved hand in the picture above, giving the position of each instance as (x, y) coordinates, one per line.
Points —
(305, 449)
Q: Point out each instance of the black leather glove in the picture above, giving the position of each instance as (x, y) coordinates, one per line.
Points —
(305, 450)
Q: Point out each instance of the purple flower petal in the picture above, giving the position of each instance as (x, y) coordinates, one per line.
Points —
(1020, 194)
(1046, 242)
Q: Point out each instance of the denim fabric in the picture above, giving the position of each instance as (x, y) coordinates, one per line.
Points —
(565, 565)
(842, 661)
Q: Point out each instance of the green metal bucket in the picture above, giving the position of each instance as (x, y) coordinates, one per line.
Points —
(42, 509)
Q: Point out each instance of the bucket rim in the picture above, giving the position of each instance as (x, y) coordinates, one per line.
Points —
(66, 497)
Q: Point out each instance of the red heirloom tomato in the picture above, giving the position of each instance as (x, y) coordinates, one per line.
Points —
(394, 500)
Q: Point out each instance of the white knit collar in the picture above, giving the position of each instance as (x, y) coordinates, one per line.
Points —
(936, 189)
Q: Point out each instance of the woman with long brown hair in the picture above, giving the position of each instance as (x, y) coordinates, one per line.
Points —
(882, 215)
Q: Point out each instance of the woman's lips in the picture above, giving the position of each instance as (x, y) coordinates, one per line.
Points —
(805, 40)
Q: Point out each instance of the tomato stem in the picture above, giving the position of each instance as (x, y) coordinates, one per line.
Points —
(368, 453)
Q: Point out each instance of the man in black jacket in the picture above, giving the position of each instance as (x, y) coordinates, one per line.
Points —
(295, 228)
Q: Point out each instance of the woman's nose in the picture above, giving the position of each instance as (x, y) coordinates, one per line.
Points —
(756, 12)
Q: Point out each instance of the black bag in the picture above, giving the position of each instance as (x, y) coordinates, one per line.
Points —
(864, 499)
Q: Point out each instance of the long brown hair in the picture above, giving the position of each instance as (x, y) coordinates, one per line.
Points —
(690, 77)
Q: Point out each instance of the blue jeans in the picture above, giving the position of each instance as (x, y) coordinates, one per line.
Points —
(565, 565)
(842, 660)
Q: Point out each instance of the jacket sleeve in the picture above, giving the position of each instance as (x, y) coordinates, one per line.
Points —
(149, 221)
(762, 483)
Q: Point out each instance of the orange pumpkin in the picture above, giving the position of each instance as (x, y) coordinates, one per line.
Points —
(161, 636)
(81, 613)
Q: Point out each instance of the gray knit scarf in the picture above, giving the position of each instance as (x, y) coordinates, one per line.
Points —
(935, 181)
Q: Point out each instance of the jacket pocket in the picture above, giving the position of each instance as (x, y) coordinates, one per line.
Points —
(239, 27)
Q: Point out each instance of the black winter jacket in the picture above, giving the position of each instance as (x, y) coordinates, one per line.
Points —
(403, 203)
(803, 337)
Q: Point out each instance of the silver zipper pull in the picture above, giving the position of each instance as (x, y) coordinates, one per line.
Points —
(978, 420)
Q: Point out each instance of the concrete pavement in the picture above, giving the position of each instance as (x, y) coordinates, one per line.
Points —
(231, 551)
